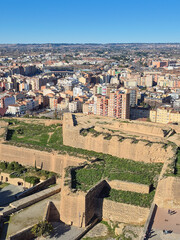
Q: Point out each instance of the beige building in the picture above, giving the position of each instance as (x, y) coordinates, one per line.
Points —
(83, 80)
(5, 177)
(164, 115)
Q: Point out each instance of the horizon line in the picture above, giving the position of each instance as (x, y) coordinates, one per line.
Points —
(86, 43)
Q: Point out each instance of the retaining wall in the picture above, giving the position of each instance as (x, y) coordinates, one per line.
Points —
(37, 187)
(29, 157)
(121, 212)
(129, 186)
(23, 234)
(28, 201)
(139, 151)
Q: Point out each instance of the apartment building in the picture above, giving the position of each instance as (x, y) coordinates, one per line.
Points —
(119, 105)
(102, 105)
(159, 64)
(6, 101)
(16, 109)
(165, 115)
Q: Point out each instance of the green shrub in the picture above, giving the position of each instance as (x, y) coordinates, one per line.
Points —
(3, 165)
(43, 228)
(114, 168)
(32, 179)
(133, 198)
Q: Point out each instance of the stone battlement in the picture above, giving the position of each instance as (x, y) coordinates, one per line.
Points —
(137, 151)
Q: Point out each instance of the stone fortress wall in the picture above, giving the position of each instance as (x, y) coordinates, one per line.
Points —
(29, 157)
(143, 128)
(126, 213)
(78, 208)
(129, 186)
(139, 151)
(170, 187)
(73, 206)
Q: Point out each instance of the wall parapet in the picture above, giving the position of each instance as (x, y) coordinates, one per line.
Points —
(128, 149)
(126, 213)
(38, 187)
(129, 186)
(148, 224)
(25, 233)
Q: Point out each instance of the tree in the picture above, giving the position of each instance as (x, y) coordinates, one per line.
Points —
(43, 228)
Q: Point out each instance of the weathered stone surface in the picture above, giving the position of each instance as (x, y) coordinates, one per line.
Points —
(170, 187)
(119, 229)
(121, 212)
(129, 186)
(50, 161)
(139, 151)
(100, 230)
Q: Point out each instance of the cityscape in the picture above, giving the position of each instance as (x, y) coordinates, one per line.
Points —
(90, 120)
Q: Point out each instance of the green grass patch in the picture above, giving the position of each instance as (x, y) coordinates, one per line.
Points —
(133, 198)
(30, 174)
(35, 134)
(177, 164)
(113, 168)
(48, 138)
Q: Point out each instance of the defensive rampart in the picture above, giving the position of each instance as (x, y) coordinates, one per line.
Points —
(143, 128)
(170, 187)
(48, 161)
(121, 212)
(137, 151)
(129, 186)
(72, 207)
(79, 208)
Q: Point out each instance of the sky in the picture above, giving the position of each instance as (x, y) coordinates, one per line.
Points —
(89, 21)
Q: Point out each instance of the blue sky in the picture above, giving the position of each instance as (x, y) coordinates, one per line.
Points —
(89, 21)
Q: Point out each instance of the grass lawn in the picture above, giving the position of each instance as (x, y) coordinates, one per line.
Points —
(113, 168)
(133, 198)
(35, 134)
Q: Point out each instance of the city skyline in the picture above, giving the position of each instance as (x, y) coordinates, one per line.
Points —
(89, 22)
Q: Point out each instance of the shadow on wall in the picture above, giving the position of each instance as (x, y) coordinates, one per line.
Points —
(60, 229)
(94, 202)
(6, 197)
(54, 215)
(4, 228)
(74, 120)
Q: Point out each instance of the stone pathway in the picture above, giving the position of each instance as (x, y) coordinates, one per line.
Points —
(159, 235)
(100, 230)
(63, 232)
(7, 194)
(165, 221)
(30, 215)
